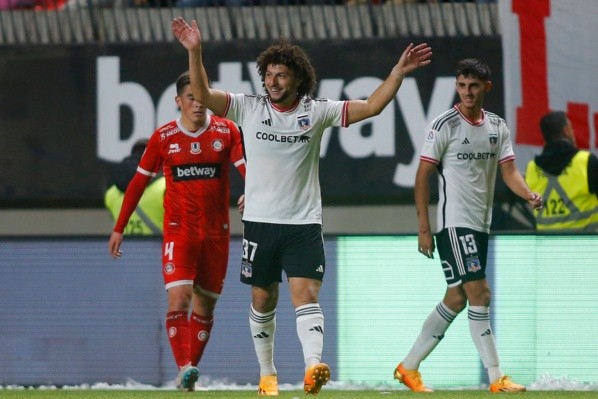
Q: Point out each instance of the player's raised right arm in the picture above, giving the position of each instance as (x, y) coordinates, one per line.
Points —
(190, 37)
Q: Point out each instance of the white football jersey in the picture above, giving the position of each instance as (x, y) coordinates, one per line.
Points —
(282, 152)
(467, 157)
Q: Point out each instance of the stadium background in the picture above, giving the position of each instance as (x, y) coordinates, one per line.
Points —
(71, 315)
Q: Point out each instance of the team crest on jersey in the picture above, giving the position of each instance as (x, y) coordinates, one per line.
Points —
(195, 148)
(217, 145)
(304, 122)
(493, 138)
(169, 268)
(246, 270)
(203, 335)
(473, 264)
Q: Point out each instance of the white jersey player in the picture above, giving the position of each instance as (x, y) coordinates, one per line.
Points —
(465, 146)
(466, 154)
(282, 211)
(284, 148)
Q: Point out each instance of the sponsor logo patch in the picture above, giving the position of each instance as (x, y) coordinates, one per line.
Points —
(430, 136)
(168, 133)
(196, 171)
(476, 155)
(174, 148)
(279, 138)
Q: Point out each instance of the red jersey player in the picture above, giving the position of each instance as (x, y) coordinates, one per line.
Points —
(195, 153)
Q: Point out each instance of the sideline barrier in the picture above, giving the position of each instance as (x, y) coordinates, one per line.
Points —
(71, 315)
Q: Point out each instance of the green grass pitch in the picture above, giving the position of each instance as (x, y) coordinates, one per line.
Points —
(324, 394)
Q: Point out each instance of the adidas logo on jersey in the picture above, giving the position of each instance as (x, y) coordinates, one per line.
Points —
(465, 141)
(267, 122)
(320, 269)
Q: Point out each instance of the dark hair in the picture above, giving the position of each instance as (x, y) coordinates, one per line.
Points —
(182, 81)
(139, 146)
(294, 58)
(471, 67)
(552, 125)
(122, 172)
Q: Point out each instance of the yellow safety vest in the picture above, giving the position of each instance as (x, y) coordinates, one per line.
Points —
(569, 203)
(148, 216)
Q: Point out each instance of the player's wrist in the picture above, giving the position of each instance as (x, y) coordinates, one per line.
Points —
(397, 72)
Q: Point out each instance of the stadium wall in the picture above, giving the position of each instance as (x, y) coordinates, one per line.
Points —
(65, 124)
(70, 112)
(71, 315)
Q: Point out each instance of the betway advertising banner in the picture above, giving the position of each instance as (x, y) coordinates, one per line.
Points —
(68, 113)
(551, 61)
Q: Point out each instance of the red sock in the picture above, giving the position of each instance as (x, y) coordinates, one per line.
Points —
(200, 334)
(177, 327)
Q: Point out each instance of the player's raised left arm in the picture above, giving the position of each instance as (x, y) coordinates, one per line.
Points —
(412, 58)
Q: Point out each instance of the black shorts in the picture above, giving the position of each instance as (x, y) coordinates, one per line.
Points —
(463, 254)
(268, 249)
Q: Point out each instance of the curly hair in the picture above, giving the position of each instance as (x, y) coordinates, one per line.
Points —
(293, 57)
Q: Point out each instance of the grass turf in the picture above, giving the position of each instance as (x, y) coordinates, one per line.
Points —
(325, 394)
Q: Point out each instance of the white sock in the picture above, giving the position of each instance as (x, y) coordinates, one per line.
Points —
(481, 333)
(263, 328)
(310, 329)
(431, 334)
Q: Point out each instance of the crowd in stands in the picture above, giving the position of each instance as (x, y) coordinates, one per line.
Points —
(32, 4)
(60, 4)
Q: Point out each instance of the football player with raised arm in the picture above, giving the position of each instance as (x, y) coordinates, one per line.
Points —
(282, 130)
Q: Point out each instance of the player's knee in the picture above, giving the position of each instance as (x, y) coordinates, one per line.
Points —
(264, 299)
(456, 304)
